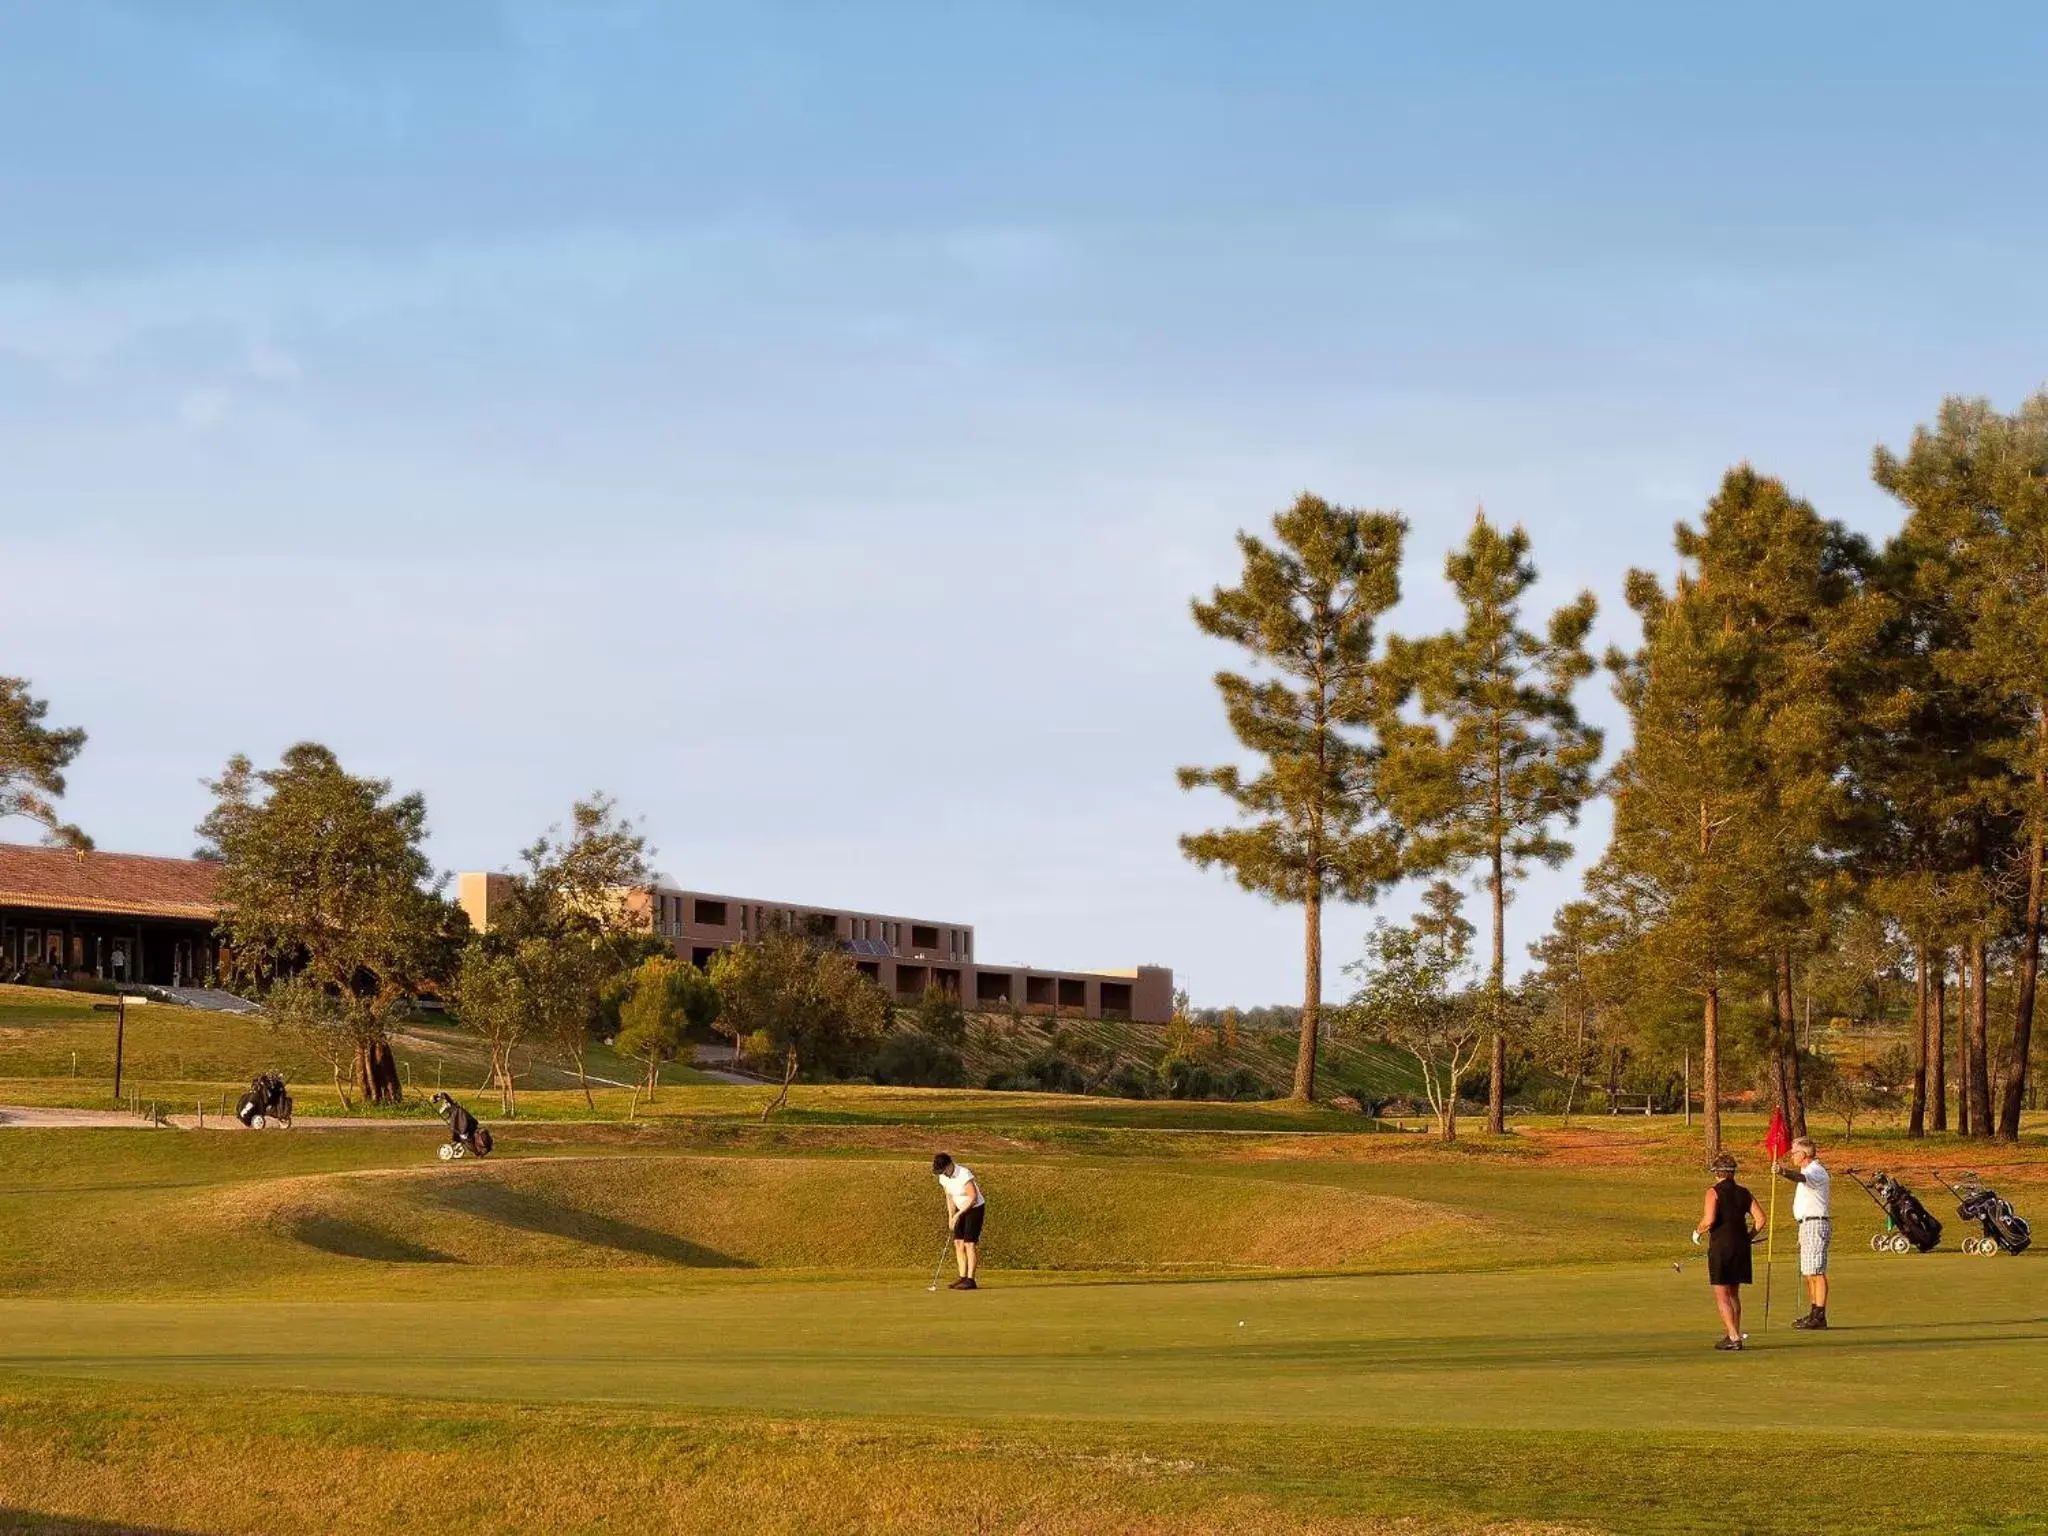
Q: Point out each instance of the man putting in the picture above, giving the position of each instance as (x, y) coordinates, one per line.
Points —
(966, 1207)
(1810, 1210)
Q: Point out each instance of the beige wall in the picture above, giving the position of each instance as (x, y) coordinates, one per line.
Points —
(903, 954)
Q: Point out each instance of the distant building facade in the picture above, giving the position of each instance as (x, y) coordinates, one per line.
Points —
(107, 916)
(903, 955)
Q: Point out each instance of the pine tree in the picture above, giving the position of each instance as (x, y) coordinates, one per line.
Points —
(1306, 609)
(1512, 759)
(1977, 486)
(1795, 590)
(33, 757)
(1732, 795)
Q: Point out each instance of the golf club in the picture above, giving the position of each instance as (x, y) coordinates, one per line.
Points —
(940, 1262)
(1678, 1265)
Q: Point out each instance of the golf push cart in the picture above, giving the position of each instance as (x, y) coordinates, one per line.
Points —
(2004, 1229)
(1908, 1225)
(466, 1138)
(265, 1101)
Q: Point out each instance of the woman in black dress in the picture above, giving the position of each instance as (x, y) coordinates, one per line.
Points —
(1729, 1218)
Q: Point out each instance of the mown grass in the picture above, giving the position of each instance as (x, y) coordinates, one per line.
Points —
(152, 1460)
(700, 1321)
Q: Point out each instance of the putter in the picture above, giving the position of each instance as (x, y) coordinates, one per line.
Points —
(940, 1262)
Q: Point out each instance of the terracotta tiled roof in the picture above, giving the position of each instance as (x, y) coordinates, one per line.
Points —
(128, 883)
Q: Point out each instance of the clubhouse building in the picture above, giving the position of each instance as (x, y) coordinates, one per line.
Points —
(107, 916)
(903, 955)
(149, 921)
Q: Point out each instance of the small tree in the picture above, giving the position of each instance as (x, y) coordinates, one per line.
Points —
(323, 878)
(939, 1015)
(1305, 609)
(33, 758)
(811, 1005)
(573, 926)
(664, 1000)
(491, 1000)
(1415, 994)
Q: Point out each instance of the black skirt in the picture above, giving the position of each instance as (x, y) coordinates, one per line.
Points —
(1728, 1241)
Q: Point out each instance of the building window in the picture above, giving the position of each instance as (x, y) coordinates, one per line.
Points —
(711, 914)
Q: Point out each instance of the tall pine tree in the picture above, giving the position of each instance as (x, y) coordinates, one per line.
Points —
(1305, 608)
(1977, 486)
(1731, 803)
(1512, 759)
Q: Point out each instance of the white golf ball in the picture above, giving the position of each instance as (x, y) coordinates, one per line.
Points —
(1240, 1322)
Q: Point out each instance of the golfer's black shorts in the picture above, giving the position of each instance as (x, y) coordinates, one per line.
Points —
(967, 1225)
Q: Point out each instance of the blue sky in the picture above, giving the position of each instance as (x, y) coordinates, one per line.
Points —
(809, 422)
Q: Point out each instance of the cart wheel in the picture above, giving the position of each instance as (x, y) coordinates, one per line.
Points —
(1901, 1243)
(447, 1151)
(1989, 1247)
(255, 1122)
(457, 1150)
(1879, 1241)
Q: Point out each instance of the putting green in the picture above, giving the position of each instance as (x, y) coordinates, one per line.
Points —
(1941, 1342)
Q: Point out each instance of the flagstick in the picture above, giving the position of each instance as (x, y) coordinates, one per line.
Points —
(1771, 1245)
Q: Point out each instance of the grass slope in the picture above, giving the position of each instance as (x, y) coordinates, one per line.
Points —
(706, 1322)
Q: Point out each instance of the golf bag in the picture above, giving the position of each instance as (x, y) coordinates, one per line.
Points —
(266, 1100)
(466, 1137)
(2005, 1230)
(1915, 1222)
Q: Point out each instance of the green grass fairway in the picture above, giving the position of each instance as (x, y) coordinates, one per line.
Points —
(1945, 1340)
(1268, 1320)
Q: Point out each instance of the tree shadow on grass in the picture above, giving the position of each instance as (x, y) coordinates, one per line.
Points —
(29, 1520)
(494, 1202)
(351, 1240)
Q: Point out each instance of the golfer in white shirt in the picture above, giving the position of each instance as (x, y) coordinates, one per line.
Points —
(966, 1209)
(1810, 1210)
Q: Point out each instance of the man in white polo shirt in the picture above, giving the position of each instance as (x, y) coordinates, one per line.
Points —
(1810, 1210)
(966, 1209)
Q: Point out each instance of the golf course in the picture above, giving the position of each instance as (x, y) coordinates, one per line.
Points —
(1193, 1316)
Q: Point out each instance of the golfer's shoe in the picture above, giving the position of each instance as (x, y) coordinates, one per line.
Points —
(961, 1285)
(1727, 1343)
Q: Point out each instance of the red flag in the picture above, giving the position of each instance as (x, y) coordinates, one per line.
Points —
(1778, 1139)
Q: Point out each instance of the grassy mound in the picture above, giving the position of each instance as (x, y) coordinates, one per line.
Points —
(851, 1214)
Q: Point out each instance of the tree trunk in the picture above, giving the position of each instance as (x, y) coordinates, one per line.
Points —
(1916, 1117)
(1937, 1044)
(1710, 1071)
(1312, 998)
(1980, 1039)
(2030, 948)
(1791, 1092)
(583, 1081)
(1964, 984)
(782, 1097)
(376, 1072)
(1497, 1074)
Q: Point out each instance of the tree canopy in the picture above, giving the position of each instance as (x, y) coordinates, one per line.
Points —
(33, 757)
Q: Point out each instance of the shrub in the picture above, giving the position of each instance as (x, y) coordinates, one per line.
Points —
(1047, 1072)
(939, 1015)
(1130, 1082)
(913, 1059)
